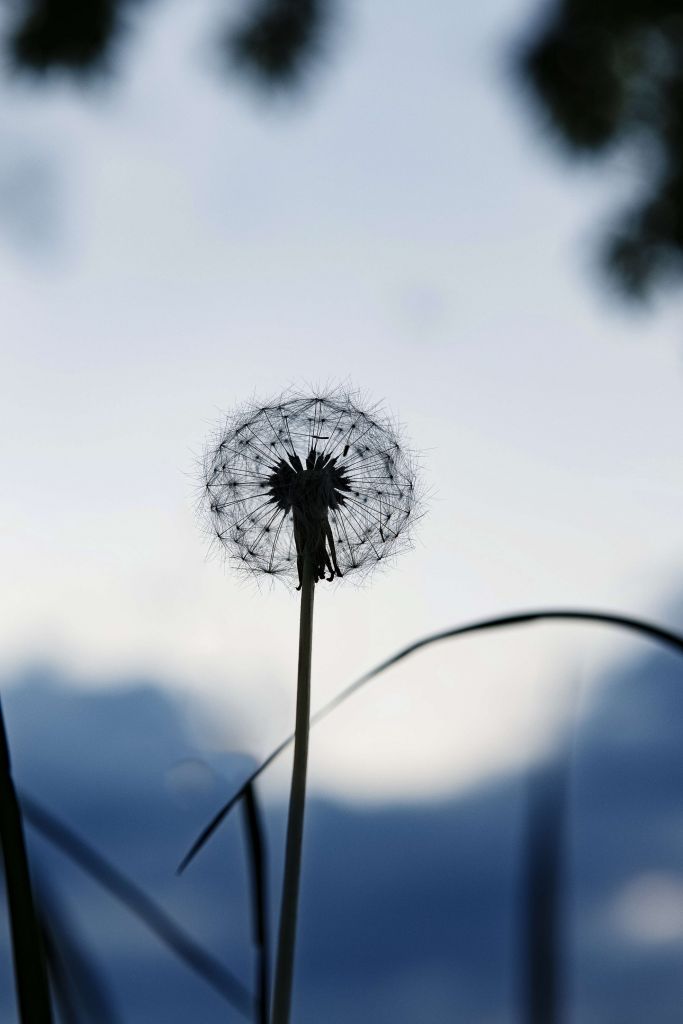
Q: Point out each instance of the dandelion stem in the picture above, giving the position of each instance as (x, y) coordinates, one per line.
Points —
(284, 967)
(27, 949)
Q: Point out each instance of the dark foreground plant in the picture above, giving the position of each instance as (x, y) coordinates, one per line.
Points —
(648, 630)
(256, 847)
(30, 970)
(138, 902)
(306, 488)
(543, 853)
(80, 992)
(544, 849)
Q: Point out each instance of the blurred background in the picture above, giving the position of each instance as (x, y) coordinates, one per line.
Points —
(474, 214)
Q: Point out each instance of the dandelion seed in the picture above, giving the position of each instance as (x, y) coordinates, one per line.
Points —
(277, 474)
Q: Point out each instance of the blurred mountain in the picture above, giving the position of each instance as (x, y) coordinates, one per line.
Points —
(409, 912)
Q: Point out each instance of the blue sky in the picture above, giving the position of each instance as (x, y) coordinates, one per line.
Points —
(170, 244)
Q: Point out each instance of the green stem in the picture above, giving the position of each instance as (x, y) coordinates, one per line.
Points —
(30, 973)
(284, 967)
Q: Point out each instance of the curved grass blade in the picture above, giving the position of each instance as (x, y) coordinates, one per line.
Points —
(626, 622)
(75, 980)
(139, 903)
(259, 902)
(60, 983)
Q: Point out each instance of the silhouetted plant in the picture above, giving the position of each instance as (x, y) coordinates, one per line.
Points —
(546, 821)
(648, 630)
(80, 993)
(544, 849)
(306, 488)
(30, 970)
(258, 875)
(308, 472)
(132, 896)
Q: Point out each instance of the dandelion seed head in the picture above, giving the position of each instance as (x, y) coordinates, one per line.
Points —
(317, 474)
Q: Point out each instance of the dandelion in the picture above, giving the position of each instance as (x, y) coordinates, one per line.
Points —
(306, 488)
(317, 473)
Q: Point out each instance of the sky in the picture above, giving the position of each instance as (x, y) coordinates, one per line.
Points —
(172, 243)
(408, 912)
(434, 932)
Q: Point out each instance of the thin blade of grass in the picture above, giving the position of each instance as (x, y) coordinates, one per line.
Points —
(77, 983)
(646, 629)
(209, 830)
(30, 971)
(258, 875)
(60, 983)
(542, 888)
(139, 903)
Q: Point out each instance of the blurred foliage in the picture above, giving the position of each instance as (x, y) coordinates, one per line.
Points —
(277, 42)
(74, 34)
(607, 75)
(274, 41)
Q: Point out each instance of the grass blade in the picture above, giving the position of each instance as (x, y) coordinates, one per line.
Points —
(639, 626)
(259, 900)
(33, 994)
(60, 983)
(542, 888)
(139, 903)
(75, 980)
